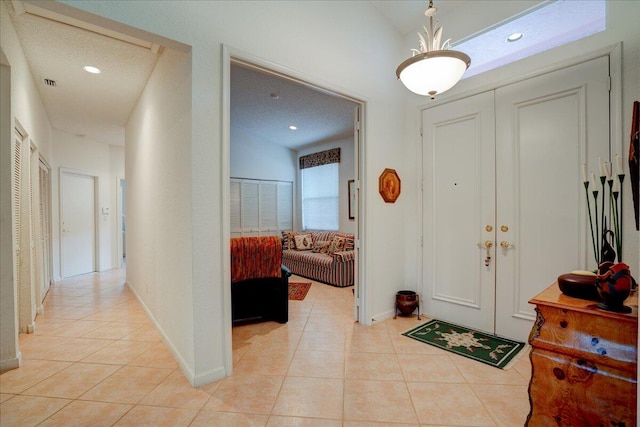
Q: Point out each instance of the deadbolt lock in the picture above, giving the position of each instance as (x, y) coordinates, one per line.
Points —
(504, 228)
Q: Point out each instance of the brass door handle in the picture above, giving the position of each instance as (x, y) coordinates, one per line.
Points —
(506, 245)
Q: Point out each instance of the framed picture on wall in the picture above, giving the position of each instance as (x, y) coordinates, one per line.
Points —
(351, 185)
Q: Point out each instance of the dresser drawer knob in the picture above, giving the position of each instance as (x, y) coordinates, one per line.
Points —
(564, 323)
(594, 341)
(559, 373)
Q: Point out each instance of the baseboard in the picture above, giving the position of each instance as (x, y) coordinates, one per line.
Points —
(9, 364)
(210, 376)
(383, 316)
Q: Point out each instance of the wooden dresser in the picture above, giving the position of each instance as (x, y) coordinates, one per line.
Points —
(584, 363)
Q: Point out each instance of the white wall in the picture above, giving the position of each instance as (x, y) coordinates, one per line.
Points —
(159, 203)
(257, 158)
(94, 158)
(25, 108)
(345, 171)
(622, 26)
(339, 44)
(116, 161)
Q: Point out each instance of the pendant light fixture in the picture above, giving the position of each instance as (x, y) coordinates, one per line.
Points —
(434, 68)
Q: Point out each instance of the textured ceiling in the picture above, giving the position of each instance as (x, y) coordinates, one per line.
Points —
(94, 105)
(266, 105)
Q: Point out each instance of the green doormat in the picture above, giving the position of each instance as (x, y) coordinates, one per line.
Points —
(485, 348)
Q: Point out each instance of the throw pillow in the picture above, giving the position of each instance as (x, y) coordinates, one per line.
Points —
(321, 247)
(303, 242)
(288, 242)
(336, 245)
(349, 243)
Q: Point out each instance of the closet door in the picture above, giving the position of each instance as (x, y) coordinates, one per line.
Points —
(459, 211)
(546, 128)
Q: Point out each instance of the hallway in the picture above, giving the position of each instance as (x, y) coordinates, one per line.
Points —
(95, 359)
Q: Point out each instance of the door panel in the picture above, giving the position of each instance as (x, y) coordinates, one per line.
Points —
(546, 128)
(78, 224)
(458, 177)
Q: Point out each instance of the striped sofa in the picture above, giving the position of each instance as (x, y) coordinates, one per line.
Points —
(335, 269)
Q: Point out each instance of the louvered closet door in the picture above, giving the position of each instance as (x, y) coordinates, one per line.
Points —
(17, 182)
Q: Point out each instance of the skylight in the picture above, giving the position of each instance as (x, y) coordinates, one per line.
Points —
(551, 25)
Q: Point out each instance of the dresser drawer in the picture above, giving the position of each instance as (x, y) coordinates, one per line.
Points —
(567, 391)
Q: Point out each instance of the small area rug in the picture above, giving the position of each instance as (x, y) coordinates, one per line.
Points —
(485, 348)
(298, 290)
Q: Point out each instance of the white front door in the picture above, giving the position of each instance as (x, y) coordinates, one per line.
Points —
(459, 194)
(546, 129)
(78, 224)
(519, 188)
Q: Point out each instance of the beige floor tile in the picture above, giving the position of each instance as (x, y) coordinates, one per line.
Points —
(30, 373)
(372, 424)
(378, 401)
(176, 392)
(77, 329)
(157, 417)
(363, 342)
(310, 397)
(89, 414)
(37, 345)
(372, 366)
(252, 394)
(322, 341)
(29, 410)
(73, 350)
(144, 333)
(119, 352)
(113, 330)
(448, 404)
(278, 421)
(278, 338)
(156, 357)
(507, 404)
(130, 384)
(435, 368)
(73, 381)
(49, 326)
(327, 324)
(317, 364)
(5, 396)
(228, 419)
(479, 373)
(259, 362)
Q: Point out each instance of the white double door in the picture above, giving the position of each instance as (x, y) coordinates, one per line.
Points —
(503, 205)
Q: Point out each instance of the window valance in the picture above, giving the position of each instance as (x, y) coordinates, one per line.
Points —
(321, 158)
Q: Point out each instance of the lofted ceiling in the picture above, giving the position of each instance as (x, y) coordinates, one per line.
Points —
(98, 105)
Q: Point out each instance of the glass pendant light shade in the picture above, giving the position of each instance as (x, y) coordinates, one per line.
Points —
(434, 72)
(433, 69)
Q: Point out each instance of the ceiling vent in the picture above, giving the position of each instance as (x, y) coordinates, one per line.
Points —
(49, 82)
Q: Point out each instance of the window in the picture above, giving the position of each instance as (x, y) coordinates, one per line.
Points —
(320, 197)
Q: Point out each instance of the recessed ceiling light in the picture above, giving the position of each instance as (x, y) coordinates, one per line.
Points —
(514, 37)
(292, 127)
(91, 69)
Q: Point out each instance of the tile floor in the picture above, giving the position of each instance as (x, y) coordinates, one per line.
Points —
(96, 360)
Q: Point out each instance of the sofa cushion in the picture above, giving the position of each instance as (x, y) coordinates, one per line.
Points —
(349, 243)
(303, 242)
(321, 246)
(309, 257)
(288, 241)
(336, 245)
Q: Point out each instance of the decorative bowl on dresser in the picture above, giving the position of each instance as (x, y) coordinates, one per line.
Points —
(584, 363)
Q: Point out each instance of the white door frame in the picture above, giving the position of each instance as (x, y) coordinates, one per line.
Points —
(229, 55)
(118, 213)
(96, 197)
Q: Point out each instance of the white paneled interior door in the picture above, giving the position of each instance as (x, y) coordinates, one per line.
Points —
(78, 224)
(546, 129)
(509, 175)
(459, 194)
